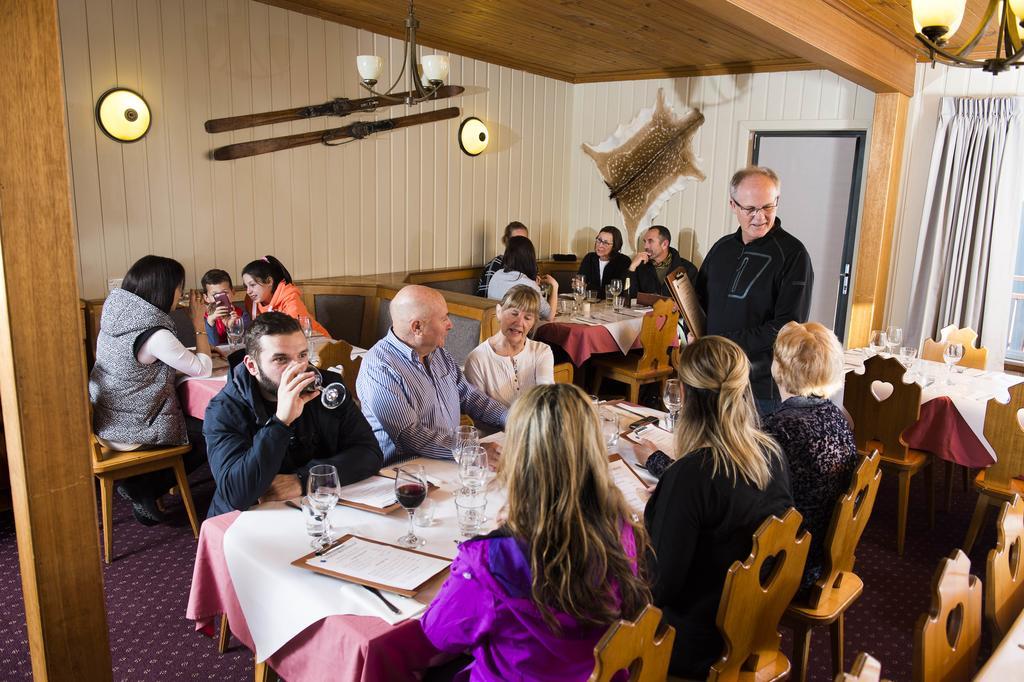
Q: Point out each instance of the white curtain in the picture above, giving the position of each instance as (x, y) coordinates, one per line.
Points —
(970, 222)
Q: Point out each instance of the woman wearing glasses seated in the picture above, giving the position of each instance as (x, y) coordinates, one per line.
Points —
(132, 384)
(530, 600)
(708, 503)
(606, 262)
(509, 363)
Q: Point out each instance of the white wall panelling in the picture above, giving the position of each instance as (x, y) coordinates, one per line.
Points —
(404, 200)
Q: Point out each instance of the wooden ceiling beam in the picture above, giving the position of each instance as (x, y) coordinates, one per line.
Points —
(824, 35)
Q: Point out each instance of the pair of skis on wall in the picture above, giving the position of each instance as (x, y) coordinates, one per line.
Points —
(331, 136)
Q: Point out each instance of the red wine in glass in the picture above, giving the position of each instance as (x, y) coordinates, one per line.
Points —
(411, 495)
(410, 490)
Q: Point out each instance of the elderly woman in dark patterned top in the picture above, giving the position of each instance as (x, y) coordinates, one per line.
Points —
(814, 432)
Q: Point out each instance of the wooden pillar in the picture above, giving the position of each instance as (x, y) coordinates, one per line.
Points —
(881, 191)
(41, 371)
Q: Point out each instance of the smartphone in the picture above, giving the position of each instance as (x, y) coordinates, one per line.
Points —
(640, 423)
(221, 298)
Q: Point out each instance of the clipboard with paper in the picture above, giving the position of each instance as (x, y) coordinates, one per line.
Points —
(685, 296)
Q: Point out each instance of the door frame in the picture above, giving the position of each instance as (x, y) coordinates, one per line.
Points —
(745, 153)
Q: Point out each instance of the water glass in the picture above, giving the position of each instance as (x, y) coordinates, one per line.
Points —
(593, 296)
(564, 306)
(617, 303)
(473, 468)
(323, 491)
(471, 510)
(893, 339)
(424, 514)
(314, 522)
(877, 341)
(462, 437)
(610, 429)
(236, 329)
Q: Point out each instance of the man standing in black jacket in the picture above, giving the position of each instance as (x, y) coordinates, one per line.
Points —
(754, 281)
(264, 432)
(651, 266)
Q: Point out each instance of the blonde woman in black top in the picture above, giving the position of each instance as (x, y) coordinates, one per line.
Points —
(708, 503)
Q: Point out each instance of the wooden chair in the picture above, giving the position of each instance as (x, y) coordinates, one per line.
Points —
(564, 373)
(657, 333)
(110, 466)
(1004, 596)
(340, 353)
(999, 483)
(839, 587)
(752, 605)
(865, 669)
(975, 357)
(643, 647)
(878, 421)
(948, 637)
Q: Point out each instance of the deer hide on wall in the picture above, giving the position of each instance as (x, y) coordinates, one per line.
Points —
(647, 160)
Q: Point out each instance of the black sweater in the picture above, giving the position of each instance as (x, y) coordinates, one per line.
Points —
(749, 291)
(646, 276)
(617, 268)
(699, 525)
(246, 448)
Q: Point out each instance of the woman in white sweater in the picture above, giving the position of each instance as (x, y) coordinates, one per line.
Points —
(507, 364)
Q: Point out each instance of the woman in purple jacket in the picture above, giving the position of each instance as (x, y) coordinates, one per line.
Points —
(530, 600)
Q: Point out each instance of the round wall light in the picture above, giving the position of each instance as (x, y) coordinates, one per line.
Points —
(473, 136)
(123, 115)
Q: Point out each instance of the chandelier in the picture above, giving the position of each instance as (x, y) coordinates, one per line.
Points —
(937, 20)
(434, 69)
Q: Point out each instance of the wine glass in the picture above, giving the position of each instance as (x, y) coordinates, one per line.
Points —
(323, 490)
(672, 396)
(907, 355)
(462, 437)
(615, 287)
(893, 339)
(332, 395)
(951, 355)
(236, 329)
(473, 468)
(876, 342)
(410, 490)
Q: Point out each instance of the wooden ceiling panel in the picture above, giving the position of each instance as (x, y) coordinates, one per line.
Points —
(599, 40)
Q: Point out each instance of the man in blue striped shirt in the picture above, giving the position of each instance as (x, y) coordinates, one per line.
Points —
(412, 389)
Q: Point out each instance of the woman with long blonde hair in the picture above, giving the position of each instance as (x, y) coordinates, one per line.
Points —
(531, 599)
(729, 477)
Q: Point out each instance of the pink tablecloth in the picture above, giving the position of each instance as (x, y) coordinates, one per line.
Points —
(337, 648)
(942, 431)
(196, 394)
(579, 341)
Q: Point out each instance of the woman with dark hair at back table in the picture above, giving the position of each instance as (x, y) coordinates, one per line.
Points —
(606, 262)
(270, 287)
(132, 385)
(513, 229)
(520, 267)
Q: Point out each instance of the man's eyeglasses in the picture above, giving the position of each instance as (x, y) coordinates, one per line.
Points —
(751, 211)
(603, 242)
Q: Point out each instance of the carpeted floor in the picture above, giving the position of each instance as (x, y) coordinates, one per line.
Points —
(147, 590)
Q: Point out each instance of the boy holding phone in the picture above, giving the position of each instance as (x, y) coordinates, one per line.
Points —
(219, 308)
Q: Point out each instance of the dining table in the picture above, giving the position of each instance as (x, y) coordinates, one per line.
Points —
(307, 626)
(951, 424)
(1007, 659)
(604, 330)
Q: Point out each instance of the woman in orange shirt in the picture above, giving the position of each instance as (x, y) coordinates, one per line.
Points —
(270, 287)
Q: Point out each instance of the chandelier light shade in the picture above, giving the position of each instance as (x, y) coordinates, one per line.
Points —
(434, 69)
(473, 136)
(937, 20)
(123, 115)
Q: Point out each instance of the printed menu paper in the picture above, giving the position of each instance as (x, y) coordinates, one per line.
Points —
(632, 486)
(380, 565)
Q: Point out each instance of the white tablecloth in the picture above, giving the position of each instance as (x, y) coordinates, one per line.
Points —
(280, 600)
(624, 327)
(970, 392)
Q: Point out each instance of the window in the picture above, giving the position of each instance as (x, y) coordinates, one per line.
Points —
(1015, 337)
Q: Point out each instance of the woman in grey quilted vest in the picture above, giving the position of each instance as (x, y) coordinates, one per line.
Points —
(132, 384)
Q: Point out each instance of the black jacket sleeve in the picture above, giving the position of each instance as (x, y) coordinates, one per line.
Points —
(793, 303)
(673, 519)
(243, 464)
(352, 447)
